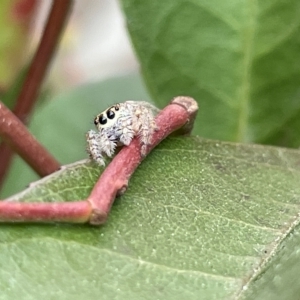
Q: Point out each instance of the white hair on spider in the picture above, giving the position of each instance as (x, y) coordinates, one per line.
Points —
(118, 125)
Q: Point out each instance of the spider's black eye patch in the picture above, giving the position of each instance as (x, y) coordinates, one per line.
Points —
(102, 119)
(110, 114)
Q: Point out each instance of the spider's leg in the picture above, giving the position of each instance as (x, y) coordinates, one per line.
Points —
(107, 143)
(145, 126)
(125, 132)
(93, 148)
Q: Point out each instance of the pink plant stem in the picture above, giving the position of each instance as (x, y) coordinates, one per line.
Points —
(15, 133)
(180, 113)
(70, 212)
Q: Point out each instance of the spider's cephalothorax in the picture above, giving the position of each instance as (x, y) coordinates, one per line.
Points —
(118, 125)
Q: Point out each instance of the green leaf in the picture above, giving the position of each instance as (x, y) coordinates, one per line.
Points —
(239, 59)
(60, 124)
(200, 219)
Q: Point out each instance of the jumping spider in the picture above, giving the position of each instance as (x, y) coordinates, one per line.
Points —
(118, 125)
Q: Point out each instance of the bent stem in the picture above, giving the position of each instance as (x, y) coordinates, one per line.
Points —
(15, 134)
(179, 114)
(34, 78)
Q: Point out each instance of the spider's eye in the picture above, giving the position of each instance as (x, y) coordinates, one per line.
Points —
(96, 121)
(102, 120)
(117, 107)
(110, 114)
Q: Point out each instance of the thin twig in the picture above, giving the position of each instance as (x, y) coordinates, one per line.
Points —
(40, 63)
(181, 112)
(15, 134)
(36, 73)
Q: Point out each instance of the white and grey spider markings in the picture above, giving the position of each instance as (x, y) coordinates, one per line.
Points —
(118, 125)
